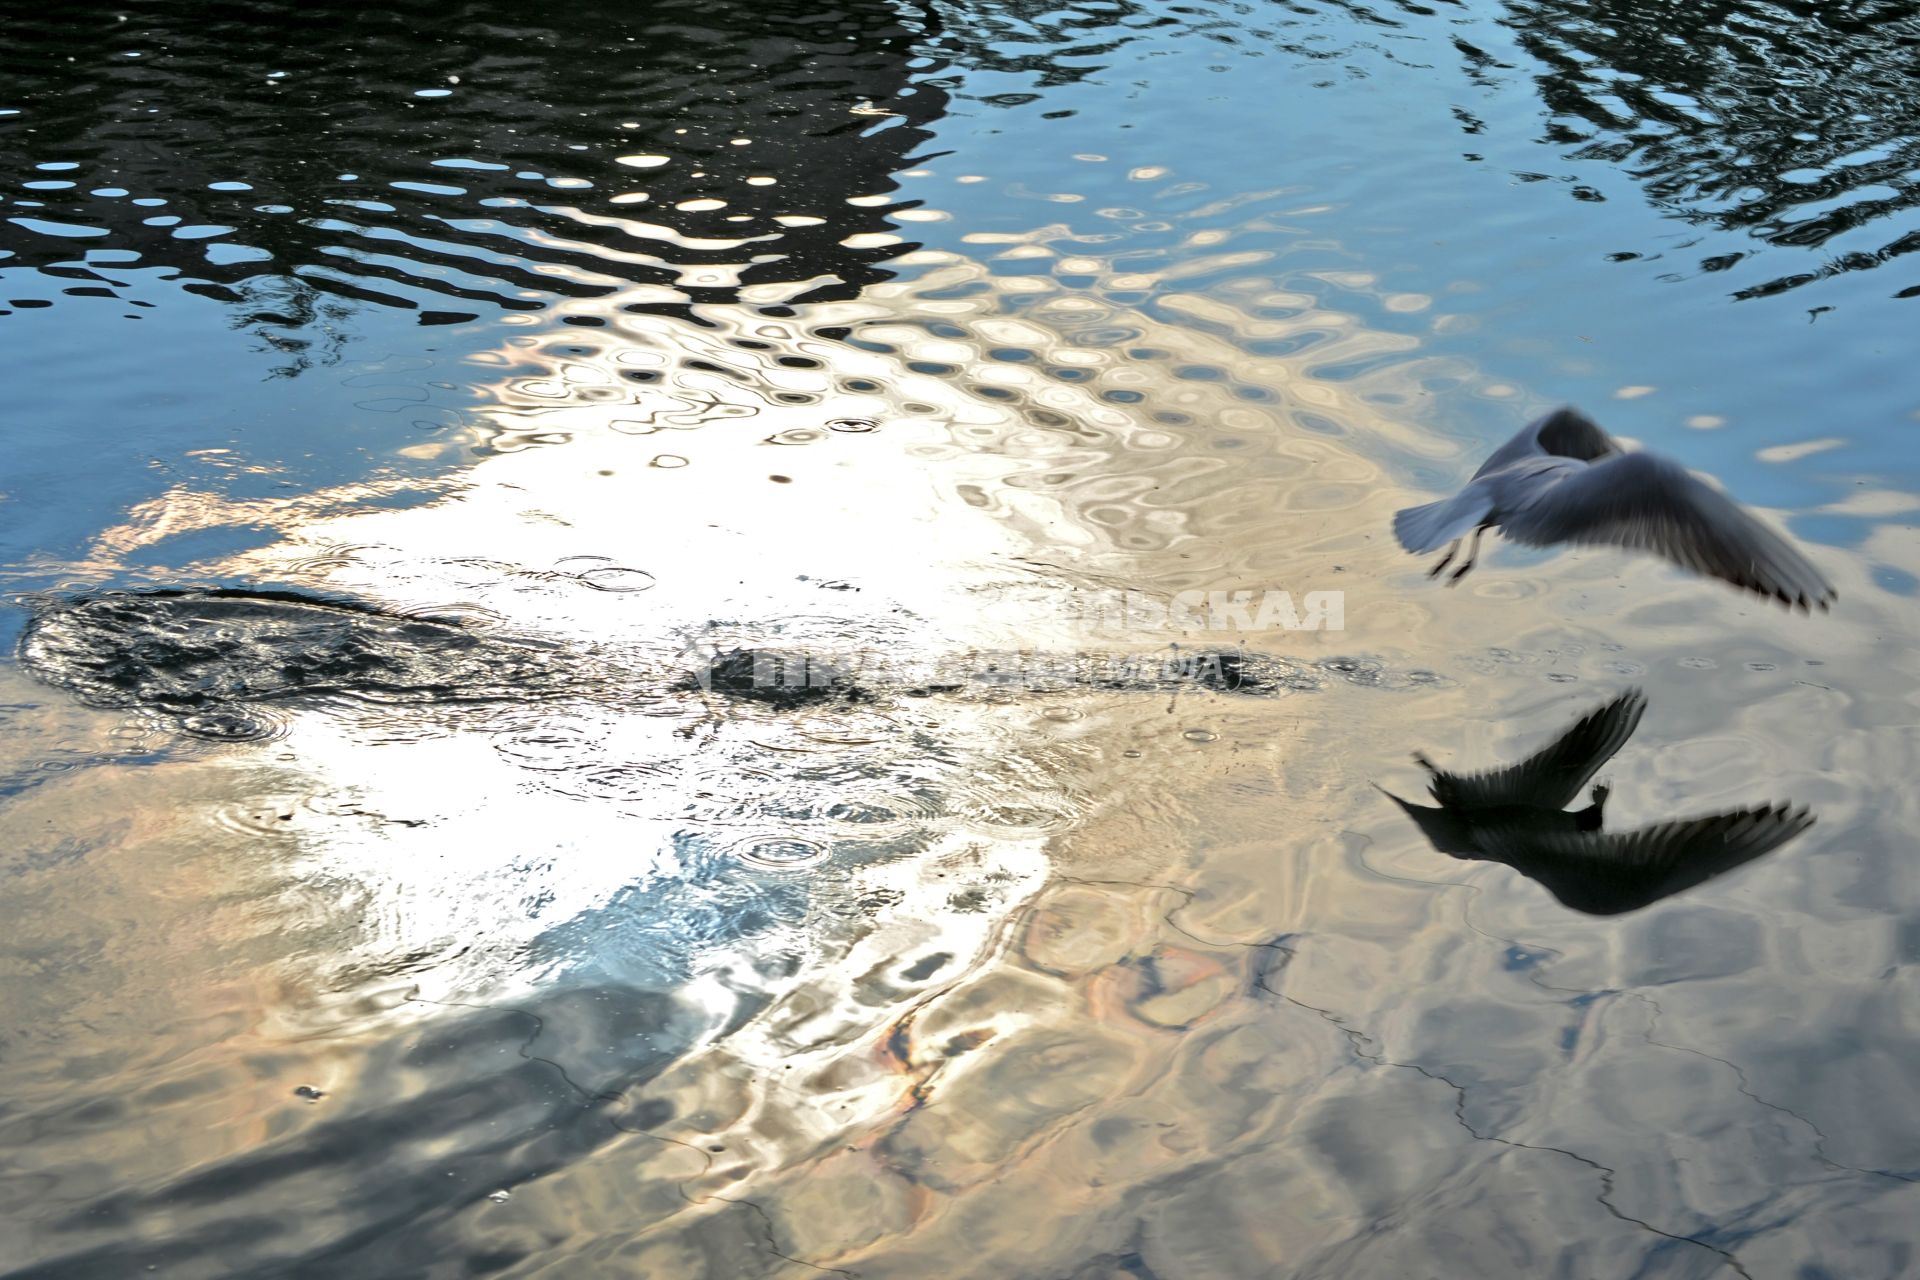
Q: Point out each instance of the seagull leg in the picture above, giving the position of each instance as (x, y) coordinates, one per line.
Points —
(1473, 554)
(1445, 560)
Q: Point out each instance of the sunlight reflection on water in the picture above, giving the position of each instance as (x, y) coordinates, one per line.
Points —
(1078, 982)
(833, 913)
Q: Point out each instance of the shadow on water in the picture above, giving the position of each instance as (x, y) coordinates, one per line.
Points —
(458, 160)
(470, 1107)
(1518, 816)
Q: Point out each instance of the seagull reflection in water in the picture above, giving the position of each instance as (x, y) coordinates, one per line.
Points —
(1519, 816)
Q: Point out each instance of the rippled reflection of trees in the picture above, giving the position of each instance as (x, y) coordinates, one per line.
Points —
(320, 108)
(1794, 121)
(1050, 44)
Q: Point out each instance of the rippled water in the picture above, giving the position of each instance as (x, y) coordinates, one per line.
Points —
(630, 335)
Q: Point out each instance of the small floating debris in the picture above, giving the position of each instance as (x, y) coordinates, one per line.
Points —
(308, 1092)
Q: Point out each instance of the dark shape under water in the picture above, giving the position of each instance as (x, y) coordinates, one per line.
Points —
(1563, 479)
(794, 677)
(1518, 816)
(204, 656)
(199, 653)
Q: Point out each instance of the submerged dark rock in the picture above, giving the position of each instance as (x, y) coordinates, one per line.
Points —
(207, 657)
(199, 651)
(777, 677)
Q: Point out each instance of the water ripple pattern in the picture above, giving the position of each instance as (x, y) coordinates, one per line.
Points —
(501, 373)
(518, 163)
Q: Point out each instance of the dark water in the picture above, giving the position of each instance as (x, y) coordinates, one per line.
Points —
(647, 332)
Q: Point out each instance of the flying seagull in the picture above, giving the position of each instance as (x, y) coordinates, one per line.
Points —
(1518, 816)
(1563, 479)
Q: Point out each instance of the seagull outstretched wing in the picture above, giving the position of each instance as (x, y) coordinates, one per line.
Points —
(1648, 503)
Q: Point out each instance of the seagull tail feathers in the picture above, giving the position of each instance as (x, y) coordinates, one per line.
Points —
(1433, 526)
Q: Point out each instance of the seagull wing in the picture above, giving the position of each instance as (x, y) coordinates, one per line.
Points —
(1608, 875)
(1553, 776)
(1649, 503)
(1564, 433)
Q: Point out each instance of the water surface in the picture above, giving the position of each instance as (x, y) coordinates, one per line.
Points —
(906, 331)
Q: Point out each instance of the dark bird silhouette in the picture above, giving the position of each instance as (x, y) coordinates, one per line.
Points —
(1518, 816)
(1563, 479)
